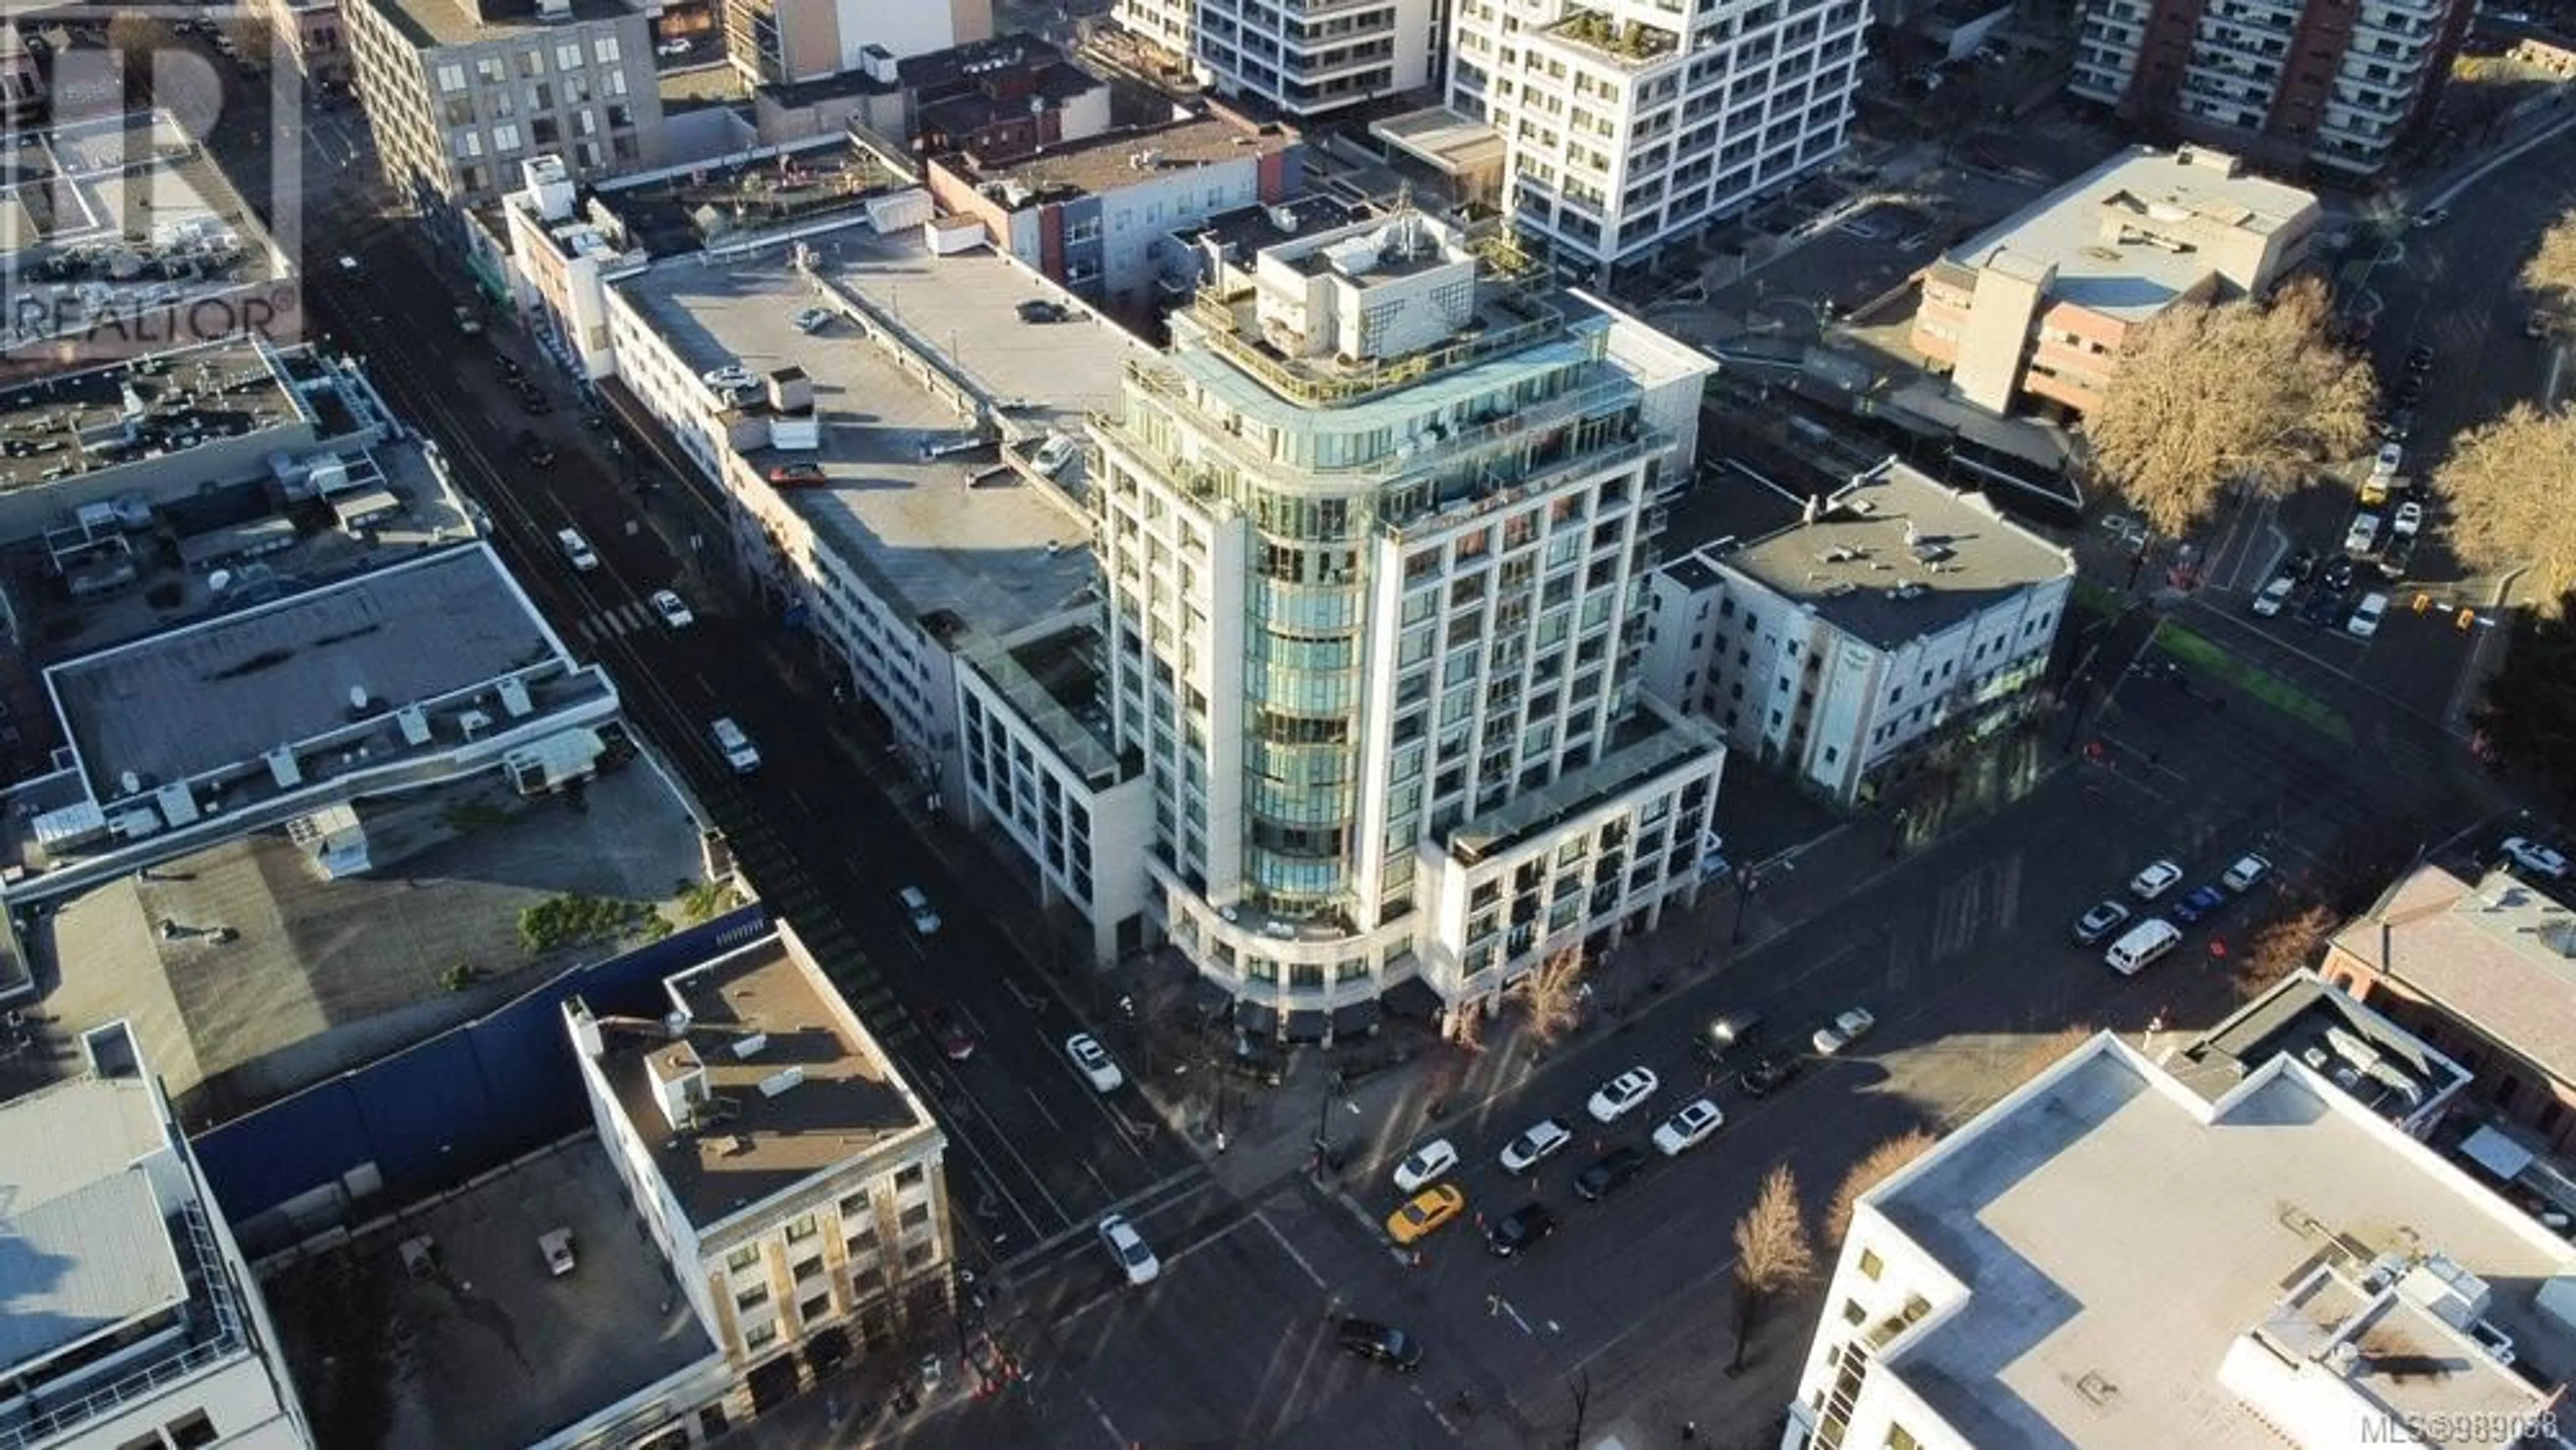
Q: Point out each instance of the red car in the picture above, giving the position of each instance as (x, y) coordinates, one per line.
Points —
(796, 475)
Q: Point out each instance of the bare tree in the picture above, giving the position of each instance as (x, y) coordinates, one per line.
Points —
(136, 37)
(1772, 1253)
(2243, 393)
(254, 39)
(2293, 936)
(1874, 1168)
(1551, 997)
(2505, 483)
(2550, 277)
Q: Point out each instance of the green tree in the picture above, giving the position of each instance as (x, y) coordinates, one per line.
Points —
(2249, 392)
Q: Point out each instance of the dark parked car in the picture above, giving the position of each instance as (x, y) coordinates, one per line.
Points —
(1606, 1173)
(1384, 1343)
(2325, 606)
(2201, 902)
(1726, 1038)
(2398, 557)
(1769, 1075)
(2302, 565)
(2339, 572)
(1519, 1229)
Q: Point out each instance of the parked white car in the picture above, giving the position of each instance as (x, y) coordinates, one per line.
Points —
(2154, 880)
(918, 910)
(1845, 1030)
(2366, 616)
(1093, 1061)
(2275, 594)
(2408, 518)
(1128, 1247)
(2248, 870)
(673, 609)
(1688, 1128)
(1622, 1093)
(1528, 1150)
(1428, 1165)
(2363, 536)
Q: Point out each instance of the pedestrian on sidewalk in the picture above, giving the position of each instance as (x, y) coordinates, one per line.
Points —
(1690, 1429)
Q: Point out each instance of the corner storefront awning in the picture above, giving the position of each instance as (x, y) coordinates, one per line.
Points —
(1355, 1018)
(1257, 1018)
(1306, 1025)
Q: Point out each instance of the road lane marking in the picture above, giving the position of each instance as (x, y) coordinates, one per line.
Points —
(1289, 1249)
(1040, 1104)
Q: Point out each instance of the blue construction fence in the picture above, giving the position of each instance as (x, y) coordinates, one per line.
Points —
(438, 1113)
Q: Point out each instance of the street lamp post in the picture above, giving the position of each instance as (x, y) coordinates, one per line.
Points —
(1746, 879)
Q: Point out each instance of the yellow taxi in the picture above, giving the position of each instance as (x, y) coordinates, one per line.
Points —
(1424, 1212)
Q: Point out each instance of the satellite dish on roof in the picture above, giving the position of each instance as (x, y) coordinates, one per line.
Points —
(220, 580)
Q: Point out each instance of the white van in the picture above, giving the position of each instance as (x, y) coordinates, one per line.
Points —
(577, 549)
(735, 747)
(2144, 943)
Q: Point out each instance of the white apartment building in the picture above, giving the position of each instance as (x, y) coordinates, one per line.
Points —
(1371, 534)
(561, 263)
(1631, 124)
(1306, 57)
(1838, 638)
(2288, 83)
(944, 573)
(132, 1322)
(2105, 1258)
(776, 1158)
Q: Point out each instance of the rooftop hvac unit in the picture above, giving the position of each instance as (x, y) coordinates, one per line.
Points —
(514, 699)
(746, 1048)
(779, 1082)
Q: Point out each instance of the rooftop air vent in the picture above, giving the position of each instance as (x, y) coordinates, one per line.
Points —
(780, 1082)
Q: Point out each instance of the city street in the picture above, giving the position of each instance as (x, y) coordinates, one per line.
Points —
(1036, 1151)
(1960, 947)
(1952, 931)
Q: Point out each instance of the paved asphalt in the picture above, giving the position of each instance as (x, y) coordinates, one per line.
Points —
(1959, 946)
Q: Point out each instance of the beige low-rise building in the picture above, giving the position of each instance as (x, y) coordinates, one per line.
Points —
(781, 1164)
(2036, 307)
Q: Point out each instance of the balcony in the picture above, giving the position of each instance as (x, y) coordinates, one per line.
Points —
(1633, 45)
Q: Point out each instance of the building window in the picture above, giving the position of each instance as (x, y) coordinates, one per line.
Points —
(451, 77)
(743, 1258)
(1852, 1312)
(1871, 1265)
(807, 1268)
(568, 55)
(920, 1255)
(907, 1177)
(751, 1298)
(192, 1430)
(815, 1309)
(802, 1229)
(915, 1215)
(604, 50)
(761, 1335)
(1899, 1438)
